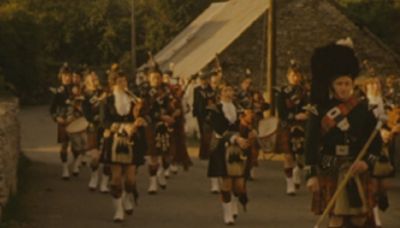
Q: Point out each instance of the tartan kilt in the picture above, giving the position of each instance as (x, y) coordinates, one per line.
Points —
(282, 140)
(217, 161)
(150, 136)
(328, 185)
(205, 140)
(109, 154)
(253, 159)
(94, 136)
(62, 135)
(178, 148)
(92, 139)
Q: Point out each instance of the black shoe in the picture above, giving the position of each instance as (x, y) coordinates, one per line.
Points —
(118, 221)
(129, 212)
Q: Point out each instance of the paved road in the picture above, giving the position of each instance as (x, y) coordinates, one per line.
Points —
(51, 202)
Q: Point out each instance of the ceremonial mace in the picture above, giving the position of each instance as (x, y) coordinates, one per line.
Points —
(348, 175)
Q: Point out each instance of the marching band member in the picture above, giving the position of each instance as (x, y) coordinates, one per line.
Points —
(202, 93)
(245, 92)
(124, 145)
(77, 80)
(75, 103)
(372, 89)
(291, 102)
(339, 125)
(227, 159)
(94, 97)
(247, 96)
(212, 98)
(77, 125)
(58, 111)
(178, 149)
(157, 100)
(104, 167)
(391, 94)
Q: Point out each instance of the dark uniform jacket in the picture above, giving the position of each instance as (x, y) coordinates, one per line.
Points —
(139, 141)
(59, 106)
(291, 101)
(223, 131)
(320, 145)
(92, 106)
(202, 97)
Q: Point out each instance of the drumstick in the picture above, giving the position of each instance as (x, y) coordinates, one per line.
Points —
(348, 175)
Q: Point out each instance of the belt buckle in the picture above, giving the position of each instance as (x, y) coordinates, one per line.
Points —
(342, 150)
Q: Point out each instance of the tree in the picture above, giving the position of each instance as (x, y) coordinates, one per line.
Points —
(20, 55)
(377, 16)
(37, 36)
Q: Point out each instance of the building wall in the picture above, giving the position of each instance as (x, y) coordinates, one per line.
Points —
(247, 51)
(9, 148)
(301, 26)
(304, 25)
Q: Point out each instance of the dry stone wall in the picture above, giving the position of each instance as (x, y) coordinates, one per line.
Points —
(9, 148)
(301, 26)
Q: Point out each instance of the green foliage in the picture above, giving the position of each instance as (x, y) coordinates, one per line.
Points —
(381, 17)
(37, 36)
(92, 32)
(20, 56)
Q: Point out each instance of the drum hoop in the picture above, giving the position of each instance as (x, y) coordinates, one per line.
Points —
(267, 136)
(273, 120)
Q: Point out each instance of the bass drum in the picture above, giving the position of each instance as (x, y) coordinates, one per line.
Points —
(267, 129)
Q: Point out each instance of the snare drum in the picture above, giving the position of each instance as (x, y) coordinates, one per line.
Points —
(77, 134)
(267, 129)
(78, 125)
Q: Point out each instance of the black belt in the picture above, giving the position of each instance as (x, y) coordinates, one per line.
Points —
(329, 161)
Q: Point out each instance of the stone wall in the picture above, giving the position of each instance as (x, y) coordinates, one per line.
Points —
(301, 26)
(247, 51)
(9, 148)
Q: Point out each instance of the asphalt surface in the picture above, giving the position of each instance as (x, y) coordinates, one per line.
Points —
(49, 201)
